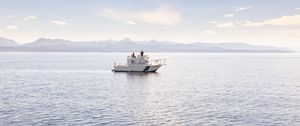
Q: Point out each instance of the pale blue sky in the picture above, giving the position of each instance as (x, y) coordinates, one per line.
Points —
(261, 22)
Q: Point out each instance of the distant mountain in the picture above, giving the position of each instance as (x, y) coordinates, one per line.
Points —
(7, 45)
(7, 42)
(128, 45)
(50, 42)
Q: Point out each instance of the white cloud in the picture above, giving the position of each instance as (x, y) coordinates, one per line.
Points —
(297, 8)
(242, 8)
(130, 22)
(252, 24)
(11, 16)
(224, 24)
(12, 27)
(293, 20)
(210, 32)
(62, 23)
(228, 15)
(213, 22)
(163, 16)
(29, 17)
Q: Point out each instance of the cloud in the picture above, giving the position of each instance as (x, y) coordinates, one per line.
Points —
(224, 24)
(11, 16)
(27, 18)
(213, 22)
(62, 23)
(162, 16)
(130, 22)
(210, 32)
(12, 27)
(293, 20)
(242, 8)
(228, 15)
(297, 8)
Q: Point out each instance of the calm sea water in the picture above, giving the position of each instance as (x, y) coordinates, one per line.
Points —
(193, 89)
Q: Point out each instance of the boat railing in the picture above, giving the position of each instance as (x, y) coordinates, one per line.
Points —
(131, 60)
(157, 62)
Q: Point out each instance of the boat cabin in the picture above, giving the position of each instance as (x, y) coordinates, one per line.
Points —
(140, 59)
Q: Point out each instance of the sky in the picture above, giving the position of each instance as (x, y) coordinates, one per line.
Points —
(258, 22)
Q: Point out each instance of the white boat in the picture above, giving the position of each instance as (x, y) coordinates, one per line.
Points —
(140, 63)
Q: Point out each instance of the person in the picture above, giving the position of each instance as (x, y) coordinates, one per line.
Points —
(142, 52)
(132, 55)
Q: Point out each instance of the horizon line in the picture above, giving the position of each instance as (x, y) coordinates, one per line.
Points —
(127, 38)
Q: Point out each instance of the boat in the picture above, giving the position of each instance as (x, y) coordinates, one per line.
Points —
(140, 63)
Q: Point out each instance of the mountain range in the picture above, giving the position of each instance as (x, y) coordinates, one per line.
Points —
(128, 45)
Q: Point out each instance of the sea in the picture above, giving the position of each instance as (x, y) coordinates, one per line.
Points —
(193, 89)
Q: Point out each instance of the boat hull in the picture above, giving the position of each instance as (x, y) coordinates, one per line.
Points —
(136, 68)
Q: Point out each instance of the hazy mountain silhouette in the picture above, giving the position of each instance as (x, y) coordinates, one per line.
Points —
(7, 42)
(127, 45)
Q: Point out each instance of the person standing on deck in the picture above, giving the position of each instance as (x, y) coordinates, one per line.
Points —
(142, 52)
(132, 55)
